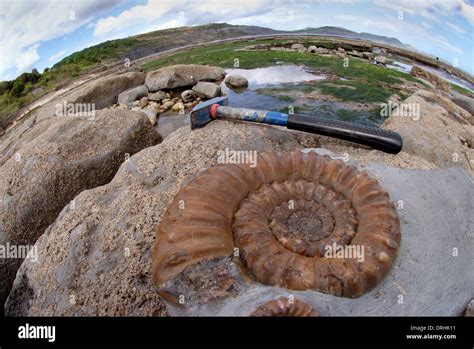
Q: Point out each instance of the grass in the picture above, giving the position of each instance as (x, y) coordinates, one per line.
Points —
(114, 51)
(368, 82)
(226, 56)
(350, 115)
(365, 77)
(347, 91)
(285, 98)
(50, 80)
(462, 90)
(367, 117)
(356, 91)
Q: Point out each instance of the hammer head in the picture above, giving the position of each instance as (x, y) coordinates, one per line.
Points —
(200, 115)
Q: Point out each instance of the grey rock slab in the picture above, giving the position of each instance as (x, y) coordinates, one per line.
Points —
(132, 94)
(100, 252)
(114, 231)
(188, 96)
(207, 89)
(74, 154)
(158, 96)
(464, 102)
(236, 81)
(182, 75)
(436, 218)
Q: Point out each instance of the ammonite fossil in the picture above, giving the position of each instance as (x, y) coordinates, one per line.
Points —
(283, 216)
(285, 307)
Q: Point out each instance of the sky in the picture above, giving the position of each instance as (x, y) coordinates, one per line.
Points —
(38, 34)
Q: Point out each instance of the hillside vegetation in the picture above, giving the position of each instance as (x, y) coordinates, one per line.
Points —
(30, 86)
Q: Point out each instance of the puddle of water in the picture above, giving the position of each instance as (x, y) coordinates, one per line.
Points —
(406, 68)
(338, 111)
(275, 74)
(282, 79)
(400, 66)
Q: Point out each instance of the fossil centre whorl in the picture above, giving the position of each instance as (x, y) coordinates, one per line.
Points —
(285, 307)
(283, 216)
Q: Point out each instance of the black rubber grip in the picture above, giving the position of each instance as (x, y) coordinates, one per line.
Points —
(384, 140)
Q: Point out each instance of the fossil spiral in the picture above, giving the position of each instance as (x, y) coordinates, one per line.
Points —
(285, 307)
(282, 215)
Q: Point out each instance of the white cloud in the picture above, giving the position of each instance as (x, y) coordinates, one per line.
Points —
(467, 11)
(346, 18)
(433, 9)
(445, 43)
(57, 55)
(137, 14)
(426, 24)
(456, 28)
(28, 57)
(406, 31)
(183, 12)
(24, 24)
(173, 23)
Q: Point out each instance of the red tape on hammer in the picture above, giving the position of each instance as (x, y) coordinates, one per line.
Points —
(213, 111)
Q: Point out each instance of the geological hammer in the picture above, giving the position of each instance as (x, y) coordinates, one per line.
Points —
(380, 139)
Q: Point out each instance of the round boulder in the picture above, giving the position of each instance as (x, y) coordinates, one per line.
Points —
(188, 96)
(236, 81)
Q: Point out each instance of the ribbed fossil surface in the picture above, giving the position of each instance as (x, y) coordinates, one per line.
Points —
(285, 307)
(282, 215)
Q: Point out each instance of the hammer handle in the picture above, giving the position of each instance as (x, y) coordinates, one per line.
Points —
(380, 139)
(377, 138)
(261, 116)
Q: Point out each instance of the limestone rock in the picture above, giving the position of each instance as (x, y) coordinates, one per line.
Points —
(355, 54)
(178, 106)
(143, 102)
(151, 113)
(101, 252)
(102, 92)
(93, 95)
(432, 78)
(465, 102)
(436, 133)
(188, 96)
(380, 59)
(158, 96)
(207, 89)
(236, 81)
(167, 105)
(132, 94)
(298, 47)
(367, 55)
(73, 154)
(182, 75)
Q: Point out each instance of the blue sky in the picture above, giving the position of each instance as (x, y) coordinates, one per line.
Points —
(37, 34)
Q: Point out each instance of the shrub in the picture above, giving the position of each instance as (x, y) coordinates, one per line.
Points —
(17, 88)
